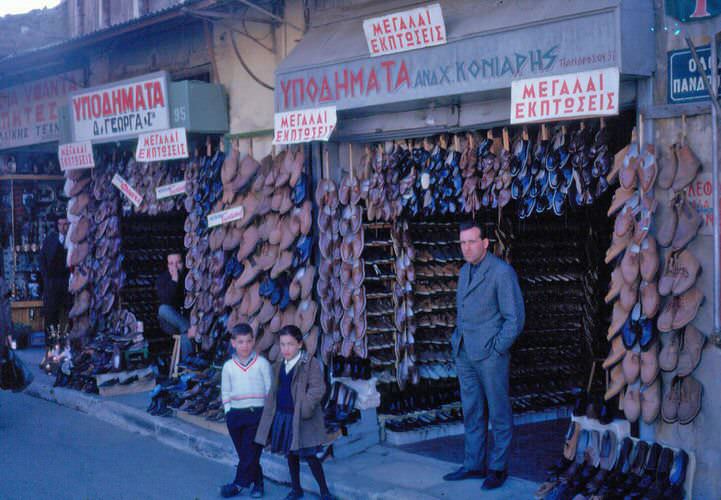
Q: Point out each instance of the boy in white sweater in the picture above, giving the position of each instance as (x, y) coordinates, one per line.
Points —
(246, 380)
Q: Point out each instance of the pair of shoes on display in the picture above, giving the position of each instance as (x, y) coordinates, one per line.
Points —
(340, 409)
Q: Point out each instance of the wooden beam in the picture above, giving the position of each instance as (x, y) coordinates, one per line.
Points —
(665, 111)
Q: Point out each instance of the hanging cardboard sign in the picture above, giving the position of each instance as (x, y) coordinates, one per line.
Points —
(700, 195)
(171, 144)
(304, 126)
(135, 198)
(121, 110)
(162, 192)
(225, 216)
(407, 30)
(565, 97)
(76, 156)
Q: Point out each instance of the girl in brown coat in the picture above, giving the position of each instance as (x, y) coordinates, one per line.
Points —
(292, 421)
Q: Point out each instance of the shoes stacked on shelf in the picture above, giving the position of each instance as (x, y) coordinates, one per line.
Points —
(595, 465)
(430, 403)
(147, 241)
(549, 359)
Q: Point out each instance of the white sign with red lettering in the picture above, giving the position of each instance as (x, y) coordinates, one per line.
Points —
(29, 112)
(700, 195)
(407, 30)
(76, 155)
(225, 216)
(135, 198)
(162, 192)
(121, 110)
(572, 96)
(306, 125)
(171, 144)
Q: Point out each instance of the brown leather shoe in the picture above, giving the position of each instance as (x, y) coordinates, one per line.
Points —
(667, 229)
(651, 401)
(668, 357)
(664, 323)
(689, 222)
(691, 348)
(629, 295)
(669, 275)
(649, 259)
(647, 169)
(618, 318)
(649, 364)
(668, 169)
(616, 285)
(688, 305)
(624, 222)
(628, 174)
(618, 245)
(688, 268)
(631, 366)
(690, 403)
(632, 404)
(620, 198)
(671, 401)
(688, 167)
(650, 299)
(617, 383)
(630, 263)
(618, 351)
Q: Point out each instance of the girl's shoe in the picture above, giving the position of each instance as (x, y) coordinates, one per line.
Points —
(294, 495)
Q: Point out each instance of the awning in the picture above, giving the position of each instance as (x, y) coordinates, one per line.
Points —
(489, 45)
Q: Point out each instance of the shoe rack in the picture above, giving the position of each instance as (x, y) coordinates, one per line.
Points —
(550, 357)
(146, 242)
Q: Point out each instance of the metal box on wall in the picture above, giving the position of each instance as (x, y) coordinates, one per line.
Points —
(199, 107)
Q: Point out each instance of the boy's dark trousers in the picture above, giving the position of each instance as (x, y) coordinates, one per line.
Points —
(242, 426)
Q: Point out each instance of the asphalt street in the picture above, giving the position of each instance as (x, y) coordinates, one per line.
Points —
(51, 452)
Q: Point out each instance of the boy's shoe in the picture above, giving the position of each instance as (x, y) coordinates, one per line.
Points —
(230, 490)
(294, 495)
(257, 491)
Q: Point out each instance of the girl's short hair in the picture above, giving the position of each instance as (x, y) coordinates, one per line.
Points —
(293, 331)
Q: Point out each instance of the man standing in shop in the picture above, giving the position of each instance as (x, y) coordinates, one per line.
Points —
(55, 274)
(170, 296)
(490, 315)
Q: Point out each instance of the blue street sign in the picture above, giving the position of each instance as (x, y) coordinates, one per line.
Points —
(684, 81)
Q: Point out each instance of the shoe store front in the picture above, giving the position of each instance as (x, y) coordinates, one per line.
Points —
(129, 216)
(423, 141)
(32, 200)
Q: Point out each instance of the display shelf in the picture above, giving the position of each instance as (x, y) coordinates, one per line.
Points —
(26, 304)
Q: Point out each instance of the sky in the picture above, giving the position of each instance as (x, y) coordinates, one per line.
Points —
(22, 6)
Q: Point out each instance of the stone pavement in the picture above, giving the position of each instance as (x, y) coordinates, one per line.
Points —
(380, 472)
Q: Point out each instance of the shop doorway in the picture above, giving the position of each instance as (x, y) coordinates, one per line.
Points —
(147, 240)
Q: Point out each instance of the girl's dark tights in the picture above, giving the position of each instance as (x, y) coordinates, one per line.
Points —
(315, 467)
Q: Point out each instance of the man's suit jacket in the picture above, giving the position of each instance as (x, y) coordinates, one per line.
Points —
(53, 269)
(490, 309)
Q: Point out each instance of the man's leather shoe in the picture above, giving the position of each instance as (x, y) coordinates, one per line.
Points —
(230, 490)
(463, 473)
(494, 480)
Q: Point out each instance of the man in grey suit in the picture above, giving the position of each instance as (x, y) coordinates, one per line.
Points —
(490, 315)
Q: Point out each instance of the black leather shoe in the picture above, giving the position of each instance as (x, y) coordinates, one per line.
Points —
(463, 473)
(494, 480)
(294, 495)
